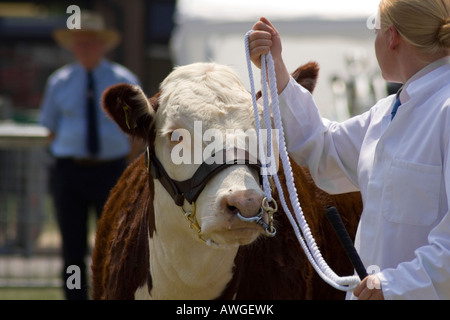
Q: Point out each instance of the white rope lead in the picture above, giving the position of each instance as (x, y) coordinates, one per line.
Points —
(262, 156)
(306, 241)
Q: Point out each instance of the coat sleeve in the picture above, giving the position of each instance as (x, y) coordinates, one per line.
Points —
(329, 149)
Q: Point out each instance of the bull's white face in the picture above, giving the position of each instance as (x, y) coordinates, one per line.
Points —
(203, 109)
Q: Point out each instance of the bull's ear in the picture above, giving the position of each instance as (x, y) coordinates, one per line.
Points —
(128, 106)
(307, 75)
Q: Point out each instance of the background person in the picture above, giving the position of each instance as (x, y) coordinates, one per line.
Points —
(397, 154)
(90, 150)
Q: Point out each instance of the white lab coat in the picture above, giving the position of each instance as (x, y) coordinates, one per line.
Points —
(402, 169)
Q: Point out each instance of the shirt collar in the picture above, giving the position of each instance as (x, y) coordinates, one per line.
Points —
(103, 63)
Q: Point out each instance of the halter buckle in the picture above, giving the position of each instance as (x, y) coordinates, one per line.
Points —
(193, 223)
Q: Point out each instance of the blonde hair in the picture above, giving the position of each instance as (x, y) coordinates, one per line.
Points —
(423, 23)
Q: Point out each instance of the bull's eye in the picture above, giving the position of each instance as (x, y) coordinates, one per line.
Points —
(176, 136)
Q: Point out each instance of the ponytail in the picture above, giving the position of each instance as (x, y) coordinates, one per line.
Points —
(444, 34)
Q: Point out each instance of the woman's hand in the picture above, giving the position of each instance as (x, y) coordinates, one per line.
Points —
(264, 39)
(369, 289)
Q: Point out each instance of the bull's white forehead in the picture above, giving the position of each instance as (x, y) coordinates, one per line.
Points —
(205, 92)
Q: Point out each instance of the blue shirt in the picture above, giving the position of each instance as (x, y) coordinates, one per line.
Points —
(63, 111)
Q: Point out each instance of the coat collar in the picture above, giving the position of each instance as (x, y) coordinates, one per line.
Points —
(420, 82)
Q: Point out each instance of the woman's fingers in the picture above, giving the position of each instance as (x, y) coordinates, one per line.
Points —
(260, 41)
(264, 39)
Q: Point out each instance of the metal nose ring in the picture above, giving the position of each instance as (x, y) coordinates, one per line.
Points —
(251, 219)
(258, 219)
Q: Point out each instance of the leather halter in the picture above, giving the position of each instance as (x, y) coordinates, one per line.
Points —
(190, 189)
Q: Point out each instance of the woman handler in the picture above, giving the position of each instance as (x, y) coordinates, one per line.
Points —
(397, 154)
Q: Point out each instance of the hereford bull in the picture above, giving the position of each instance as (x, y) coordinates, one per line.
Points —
(178, 231)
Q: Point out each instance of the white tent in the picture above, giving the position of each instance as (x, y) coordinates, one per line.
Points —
(336, 34)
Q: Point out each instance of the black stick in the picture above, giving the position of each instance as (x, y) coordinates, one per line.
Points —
(346, 242)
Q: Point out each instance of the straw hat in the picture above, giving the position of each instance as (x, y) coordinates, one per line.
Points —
(90, 22)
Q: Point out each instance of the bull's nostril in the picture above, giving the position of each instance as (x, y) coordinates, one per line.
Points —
(233, 209)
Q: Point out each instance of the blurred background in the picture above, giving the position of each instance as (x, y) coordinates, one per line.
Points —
(156, 35)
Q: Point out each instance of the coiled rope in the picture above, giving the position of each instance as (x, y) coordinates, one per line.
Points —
(306, 241)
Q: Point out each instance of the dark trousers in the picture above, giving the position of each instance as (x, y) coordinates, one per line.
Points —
(78, 186)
